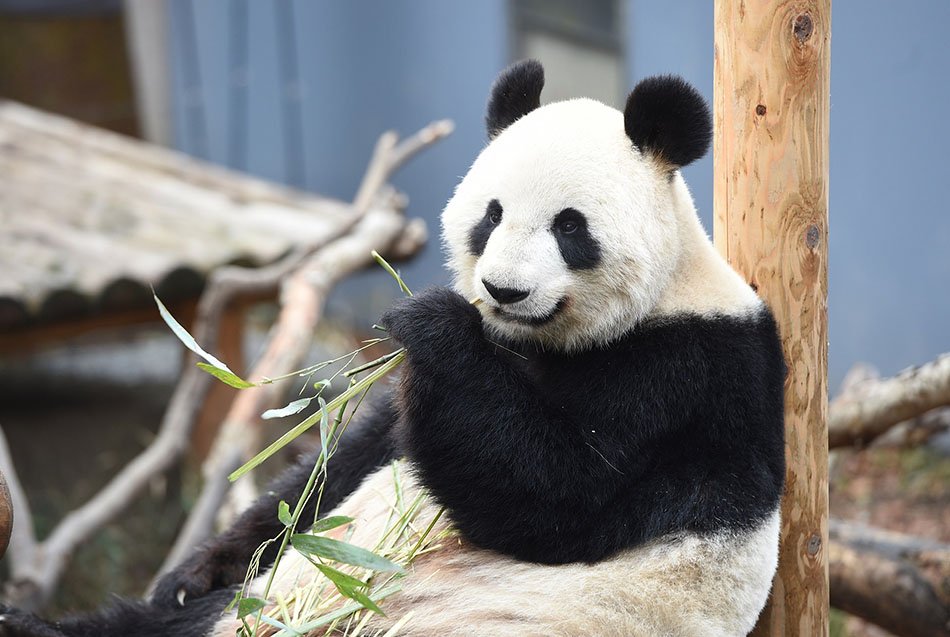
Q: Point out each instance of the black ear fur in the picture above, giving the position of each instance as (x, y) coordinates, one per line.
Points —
(668, 118)
(515, 93)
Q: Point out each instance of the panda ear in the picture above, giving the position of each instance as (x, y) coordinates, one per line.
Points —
(515, 93)
(668, 118)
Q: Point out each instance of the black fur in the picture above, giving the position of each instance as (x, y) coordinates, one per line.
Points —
(478, 236)
(579, 249)
(676, 426)
(124, 618)
(515, 93)
(669, 119)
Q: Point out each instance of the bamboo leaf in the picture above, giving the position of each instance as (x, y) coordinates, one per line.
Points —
(339, 578)
(331, 549)
(187, 339)
(290, 409)
(249, 605)
(284, 515)
(360, 597)
(392, 272)
(226, 376)
(331, 522)
(348, 609)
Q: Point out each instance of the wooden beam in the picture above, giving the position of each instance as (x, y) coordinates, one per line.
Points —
(771, 103)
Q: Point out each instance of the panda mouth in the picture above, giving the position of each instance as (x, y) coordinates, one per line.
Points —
(531, 321)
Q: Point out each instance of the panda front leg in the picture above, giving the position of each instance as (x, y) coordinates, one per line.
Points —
(123, 618)
(487, 442)
(221, 562)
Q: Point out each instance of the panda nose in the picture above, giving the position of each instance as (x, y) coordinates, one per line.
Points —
(505, 295)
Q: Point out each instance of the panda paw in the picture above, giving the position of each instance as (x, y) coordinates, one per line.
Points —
(198, 575)
(435, 320)
(18, 623)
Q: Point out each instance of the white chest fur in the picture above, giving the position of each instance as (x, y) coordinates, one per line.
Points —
(682, 585)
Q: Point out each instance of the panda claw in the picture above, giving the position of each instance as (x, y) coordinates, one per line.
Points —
(181, 597)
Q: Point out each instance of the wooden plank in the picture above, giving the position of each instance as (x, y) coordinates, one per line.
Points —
(771, 102)
(84, 210)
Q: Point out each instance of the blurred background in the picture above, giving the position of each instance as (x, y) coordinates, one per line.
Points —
(297, 92)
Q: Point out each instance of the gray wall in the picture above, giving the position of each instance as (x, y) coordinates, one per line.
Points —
(368, 65)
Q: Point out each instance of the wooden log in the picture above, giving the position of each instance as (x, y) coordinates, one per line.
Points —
(771, 103)
(6, 515)
(903, 589)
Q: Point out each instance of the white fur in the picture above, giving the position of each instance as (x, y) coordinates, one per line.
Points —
(654, 251)
(678, 585)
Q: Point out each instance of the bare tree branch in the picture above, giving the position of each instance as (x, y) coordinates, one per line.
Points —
(916, 431)
(859, 416)
(895, 581)
(301, 300)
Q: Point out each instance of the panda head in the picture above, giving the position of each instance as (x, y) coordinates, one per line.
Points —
(569, 224)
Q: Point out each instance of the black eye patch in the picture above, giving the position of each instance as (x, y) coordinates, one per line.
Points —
(579, 249)
(478, 236)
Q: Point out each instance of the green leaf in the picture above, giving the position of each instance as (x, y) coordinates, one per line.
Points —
(341, 552)
(249, 605)
(290, 409)
(187, 339)
(348, 609)
(392, 272)
(330, 523)
(339, 577)
(283, 514)
(226, 376)
(360, 597)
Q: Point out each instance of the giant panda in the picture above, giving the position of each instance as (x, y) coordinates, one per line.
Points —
(604, 429)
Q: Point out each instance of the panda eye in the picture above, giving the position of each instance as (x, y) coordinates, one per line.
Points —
(567, 226)
(494, 212)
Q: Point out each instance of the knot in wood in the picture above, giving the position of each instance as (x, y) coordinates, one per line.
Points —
(760, 110)
(814, 544)
(803, 27)
(812, 236)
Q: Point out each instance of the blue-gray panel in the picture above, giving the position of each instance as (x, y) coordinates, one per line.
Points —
(890, 219)
(364, 67)
(675, 36)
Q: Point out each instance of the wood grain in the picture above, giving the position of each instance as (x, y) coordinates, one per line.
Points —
(771, 104)
(6, 515)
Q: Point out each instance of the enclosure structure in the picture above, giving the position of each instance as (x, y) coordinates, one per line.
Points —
(771, 109)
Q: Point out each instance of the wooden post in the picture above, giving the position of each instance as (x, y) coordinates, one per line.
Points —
(771, 102)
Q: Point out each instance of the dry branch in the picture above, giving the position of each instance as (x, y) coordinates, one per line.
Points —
(860, 415)
(916, 431)
(302, 296)
(895, 581)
